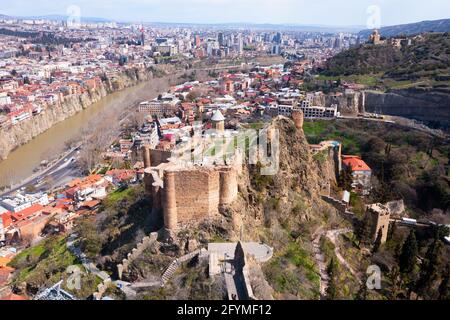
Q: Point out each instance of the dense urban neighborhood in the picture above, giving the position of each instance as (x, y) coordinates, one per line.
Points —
(262, 165)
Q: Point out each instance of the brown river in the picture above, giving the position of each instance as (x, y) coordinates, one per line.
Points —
(21, 162)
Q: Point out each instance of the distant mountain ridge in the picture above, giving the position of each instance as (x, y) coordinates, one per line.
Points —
(55, 17)
(234, 25)
(410, 29)
(265, 26)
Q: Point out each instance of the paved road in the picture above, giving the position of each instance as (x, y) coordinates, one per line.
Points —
(57, 174)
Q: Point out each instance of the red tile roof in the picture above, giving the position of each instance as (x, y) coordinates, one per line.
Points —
(5, 274)
(6, 219)
(25, 213)
(356, 163)
(90, 204)
(4, 261)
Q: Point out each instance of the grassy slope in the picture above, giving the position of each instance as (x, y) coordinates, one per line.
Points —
(425, 63)
(409, 170)
(45, 264)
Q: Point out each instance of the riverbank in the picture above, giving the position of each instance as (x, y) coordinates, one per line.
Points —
(25, 131)
(21, 162)
(27, 157)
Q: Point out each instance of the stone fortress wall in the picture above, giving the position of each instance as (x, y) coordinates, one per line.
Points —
(145, 243)
(187, 193)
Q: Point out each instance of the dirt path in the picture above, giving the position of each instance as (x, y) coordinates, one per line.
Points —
(320, 259)
(333, 235)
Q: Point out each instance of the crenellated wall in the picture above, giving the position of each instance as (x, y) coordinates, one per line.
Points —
(184, 193)
(146, 242)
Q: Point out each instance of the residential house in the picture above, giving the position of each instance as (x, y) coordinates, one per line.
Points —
(361, 173)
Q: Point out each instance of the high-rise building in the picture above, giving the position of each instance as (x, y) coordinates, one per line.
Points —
(278, 38)
(240, 43)
(142, 37)
(276, 50)
(221, 39)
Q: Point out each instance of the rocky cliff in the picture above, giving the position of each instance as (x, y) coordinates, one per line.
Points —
(348, 104)
(25, 131)
(284, 211)
(290, 198)
(415, 103)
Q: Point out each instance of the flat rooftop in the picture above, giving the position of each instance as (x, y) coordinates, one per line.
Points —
(260, 251)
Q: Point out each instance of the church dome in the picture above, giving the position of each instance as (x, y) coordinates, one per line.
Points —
(218, 116)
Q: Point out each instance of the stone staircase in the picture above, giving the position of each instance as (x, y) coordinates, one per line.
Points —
(173, 267)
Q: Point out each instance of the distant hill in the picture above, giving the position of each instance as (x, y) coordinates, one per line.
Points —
(56, 17)
(428, 57)
(263, 26)
(412, 81)
(5, 17)
(411, 29)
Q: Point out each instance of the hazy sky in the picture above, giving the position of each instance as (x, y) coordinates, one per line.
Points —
(317, 12)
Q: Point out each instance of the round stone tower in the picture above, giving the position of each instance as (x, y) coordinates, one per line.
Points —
(170, 201)
(228, 186)
(146, 156)
(297, 116)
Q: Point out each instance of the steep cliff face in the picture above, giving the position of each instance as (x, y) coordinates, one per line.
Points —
(420, 104)
(292, 195)
(290, 198)
(25, 131)
(283, 211)
(348, 104)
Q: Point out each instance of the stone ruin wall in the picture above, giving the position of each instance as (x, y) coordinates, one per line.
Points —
(349, 104)
(197, 194)
(159, 156)
(381, 218)
(192, 195)
(146, 243)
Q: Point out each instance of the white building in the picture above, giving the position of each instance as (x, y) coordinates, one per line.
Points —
(320, 112)
(21, 202)
(4, 98)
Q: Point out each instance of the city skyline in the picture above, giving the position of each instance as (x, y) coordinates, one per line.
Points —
(299, 12)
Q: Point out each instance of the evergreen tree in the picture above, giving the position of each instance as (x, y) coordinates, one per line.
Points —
(331, 292)
(377, 243)
(346, 178)
(396, 282)
(430, 268)
(444, 292)
(387, 149)
(408, 255)
(363, 231)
